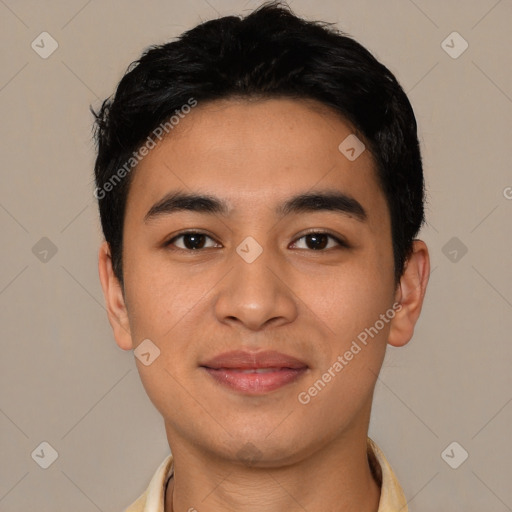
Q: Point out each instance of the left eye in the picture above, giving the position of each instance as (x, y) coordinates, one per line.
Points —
(195, 240)
(319, 240)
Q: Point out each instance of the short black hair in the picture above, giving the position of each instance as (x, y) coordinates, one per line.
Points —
(269, 53)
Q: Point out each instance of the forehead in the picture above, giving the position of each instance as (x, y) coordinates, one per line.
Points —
(251, 152)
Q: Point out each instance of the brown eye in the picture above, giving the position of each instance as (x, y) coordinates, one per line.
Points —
(192, 240)
(319, 241)
(196, 241)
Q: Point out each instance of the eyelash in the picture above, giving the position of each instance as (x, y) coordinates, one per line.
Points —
(341, 243)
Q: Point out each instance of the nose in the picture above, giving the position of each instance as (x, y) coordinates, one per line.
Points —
(256, 293)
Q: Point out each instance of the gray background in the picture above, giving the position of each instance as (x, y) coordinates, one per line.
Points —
(63, 379)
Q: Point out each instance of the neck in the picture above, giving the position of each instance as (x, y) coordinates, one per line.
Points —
(336, 478)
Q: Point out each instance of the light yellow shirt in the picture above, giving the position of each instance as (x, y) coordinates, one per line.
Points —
(392, 498)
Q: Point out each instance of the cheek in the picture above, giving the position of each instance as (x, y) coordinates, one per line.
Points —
(160, 297)
(359, 335)
(345, 376)
(354, 297)
(353, 308)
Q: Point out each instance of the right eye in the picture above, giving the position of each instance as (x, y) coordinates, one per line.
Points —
(192, 240)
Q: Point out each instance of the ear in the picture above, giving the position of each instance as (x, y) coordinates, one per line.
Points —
(114, 299)
(409, 294)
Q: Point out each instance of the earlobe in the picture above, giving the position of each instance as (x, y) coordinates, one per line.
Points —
(410, 294)
(114, 300)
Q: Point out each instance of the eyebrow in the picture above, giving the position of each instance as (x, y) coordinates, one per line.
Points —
(302, 203)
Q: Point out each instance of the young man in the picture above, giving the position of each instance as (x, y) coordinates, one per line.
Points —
(260, 188)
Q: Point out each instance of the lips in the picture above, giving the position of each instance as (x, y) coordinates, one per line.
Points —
(242, 360)
(254, 372)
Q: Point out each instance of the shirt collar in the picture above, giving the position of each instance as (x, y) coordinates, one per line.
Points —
(392, 498)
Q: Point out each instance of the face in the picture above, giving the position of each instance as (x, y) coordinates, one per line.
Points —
(304, 283)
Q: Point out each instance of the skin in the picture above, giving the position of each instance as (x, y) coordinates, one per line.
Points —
(307, 303)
